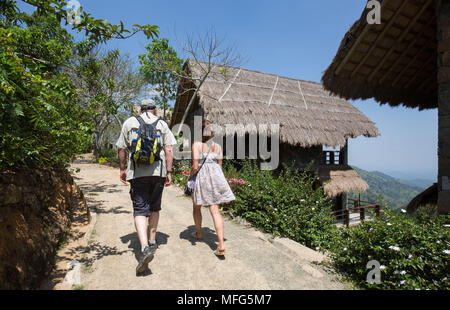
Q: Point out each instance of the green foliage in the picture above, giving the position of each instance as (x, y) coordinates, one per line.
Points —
(40, 123)
(180, 167)
(101, 160)
(96, 30)
(426, 212)
(107, 86)
(109, 155)
(414, 252)
(161, 67)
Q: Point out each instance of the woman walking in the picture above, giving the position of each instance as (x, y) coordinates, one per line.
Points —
(211, 187)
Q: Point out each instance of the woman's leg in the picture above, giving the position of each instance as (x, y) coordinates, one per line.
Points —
(197, 213)
(218, 224)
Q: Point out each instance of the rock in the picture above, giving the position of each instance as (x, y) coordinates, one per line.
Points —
(73, 277)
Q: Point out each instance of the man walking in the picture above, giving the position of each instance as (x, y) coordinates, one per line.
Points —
(147, 181)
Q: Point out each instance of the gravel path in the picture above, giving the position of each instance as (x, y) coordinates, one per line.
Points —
(253, 261)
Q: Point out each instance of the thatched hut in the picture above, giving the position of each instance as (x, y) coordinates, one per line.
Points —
(309, 117)
(405, 60)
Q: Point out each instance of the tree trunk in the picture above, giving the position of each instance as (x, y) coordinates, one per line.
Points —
(96, 145)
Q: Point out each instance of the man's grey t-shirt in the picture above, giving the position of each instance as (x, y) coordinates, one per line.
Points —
(128, 133)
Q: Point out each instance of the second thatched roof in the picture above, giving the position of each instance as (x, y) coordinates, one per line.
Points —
(341, 179)
(394, 62)
(308, 114)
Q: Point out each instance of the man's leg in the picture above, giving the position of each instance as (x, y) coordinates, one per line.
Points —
(153, 222)
(141, 224)
(140, 197)
(156, 191)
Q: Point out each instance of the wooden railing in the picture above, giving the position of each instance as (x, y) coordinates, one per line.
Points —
(358, 206)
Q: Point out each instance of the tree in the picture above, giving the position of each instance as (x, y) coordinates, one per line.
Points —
(41, 123)
(207, 52)
(106, 84)
(165, 82)
(96, 30)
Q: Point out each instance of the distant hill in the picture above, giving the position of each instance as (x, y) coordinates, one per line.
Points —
(420, 183)
(396, 193)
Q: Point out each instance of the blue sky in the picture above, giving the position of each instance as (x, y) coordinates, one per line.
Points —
(293, 38)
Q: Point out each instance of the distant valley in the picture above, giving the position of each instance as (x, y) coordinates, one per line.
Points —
(394, 192)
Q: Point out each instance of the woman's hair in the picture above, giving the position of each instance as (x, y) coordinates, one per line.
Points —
(207, 130)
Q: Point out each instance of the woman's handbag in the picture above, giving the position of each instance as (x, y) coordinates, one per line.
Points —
(190, 185)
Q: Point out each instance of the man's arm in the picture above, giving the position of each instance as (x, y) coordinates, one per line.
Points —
(169, 161)
(121, 155)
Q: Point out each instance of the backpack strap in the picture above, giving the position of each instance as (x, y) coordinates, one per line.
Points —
(140, 120)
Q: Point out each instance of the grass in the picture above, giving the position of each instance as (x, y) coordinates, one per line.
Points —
(91, 237)
(77, 287)
(64, 240)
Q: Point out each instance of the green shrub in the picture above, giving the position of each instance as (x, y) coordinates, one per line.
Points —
(413, 251)
(180, 167)
(109, 155)
(426, 212)
(101, 160)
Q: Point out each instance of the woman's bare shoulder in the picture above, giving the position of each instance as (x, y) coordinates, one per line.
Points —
(196, 145)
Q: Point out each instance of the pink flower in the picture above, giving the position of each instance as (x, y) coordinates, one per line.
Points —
(185, 173)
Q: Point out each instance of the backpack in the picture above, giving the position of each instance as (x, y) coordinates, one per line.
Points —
(146, 148)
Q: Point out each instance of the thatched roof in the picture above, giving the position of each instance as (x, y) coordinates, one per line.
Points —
(308, 115)
(394, 62)
(341, 179)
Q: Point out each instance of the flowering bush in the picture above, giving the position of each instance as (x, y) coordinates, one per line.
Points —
(235, 183)
(414, 252)
(181, 170)
(101, 160)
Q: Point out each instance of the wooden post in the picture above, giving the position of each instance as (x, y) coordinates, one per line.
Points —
(362, 214)
(344, 201)
(324, 157)
(346, 217)
(331, 157)
(345, 153)
(377, 210)
(443, 61)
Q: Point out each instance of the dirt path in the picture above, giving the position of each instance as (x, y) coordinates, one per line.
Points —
(253, 261)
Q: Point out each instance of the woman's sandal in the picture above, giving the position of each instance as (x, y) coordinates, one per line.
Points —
(219, 252)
